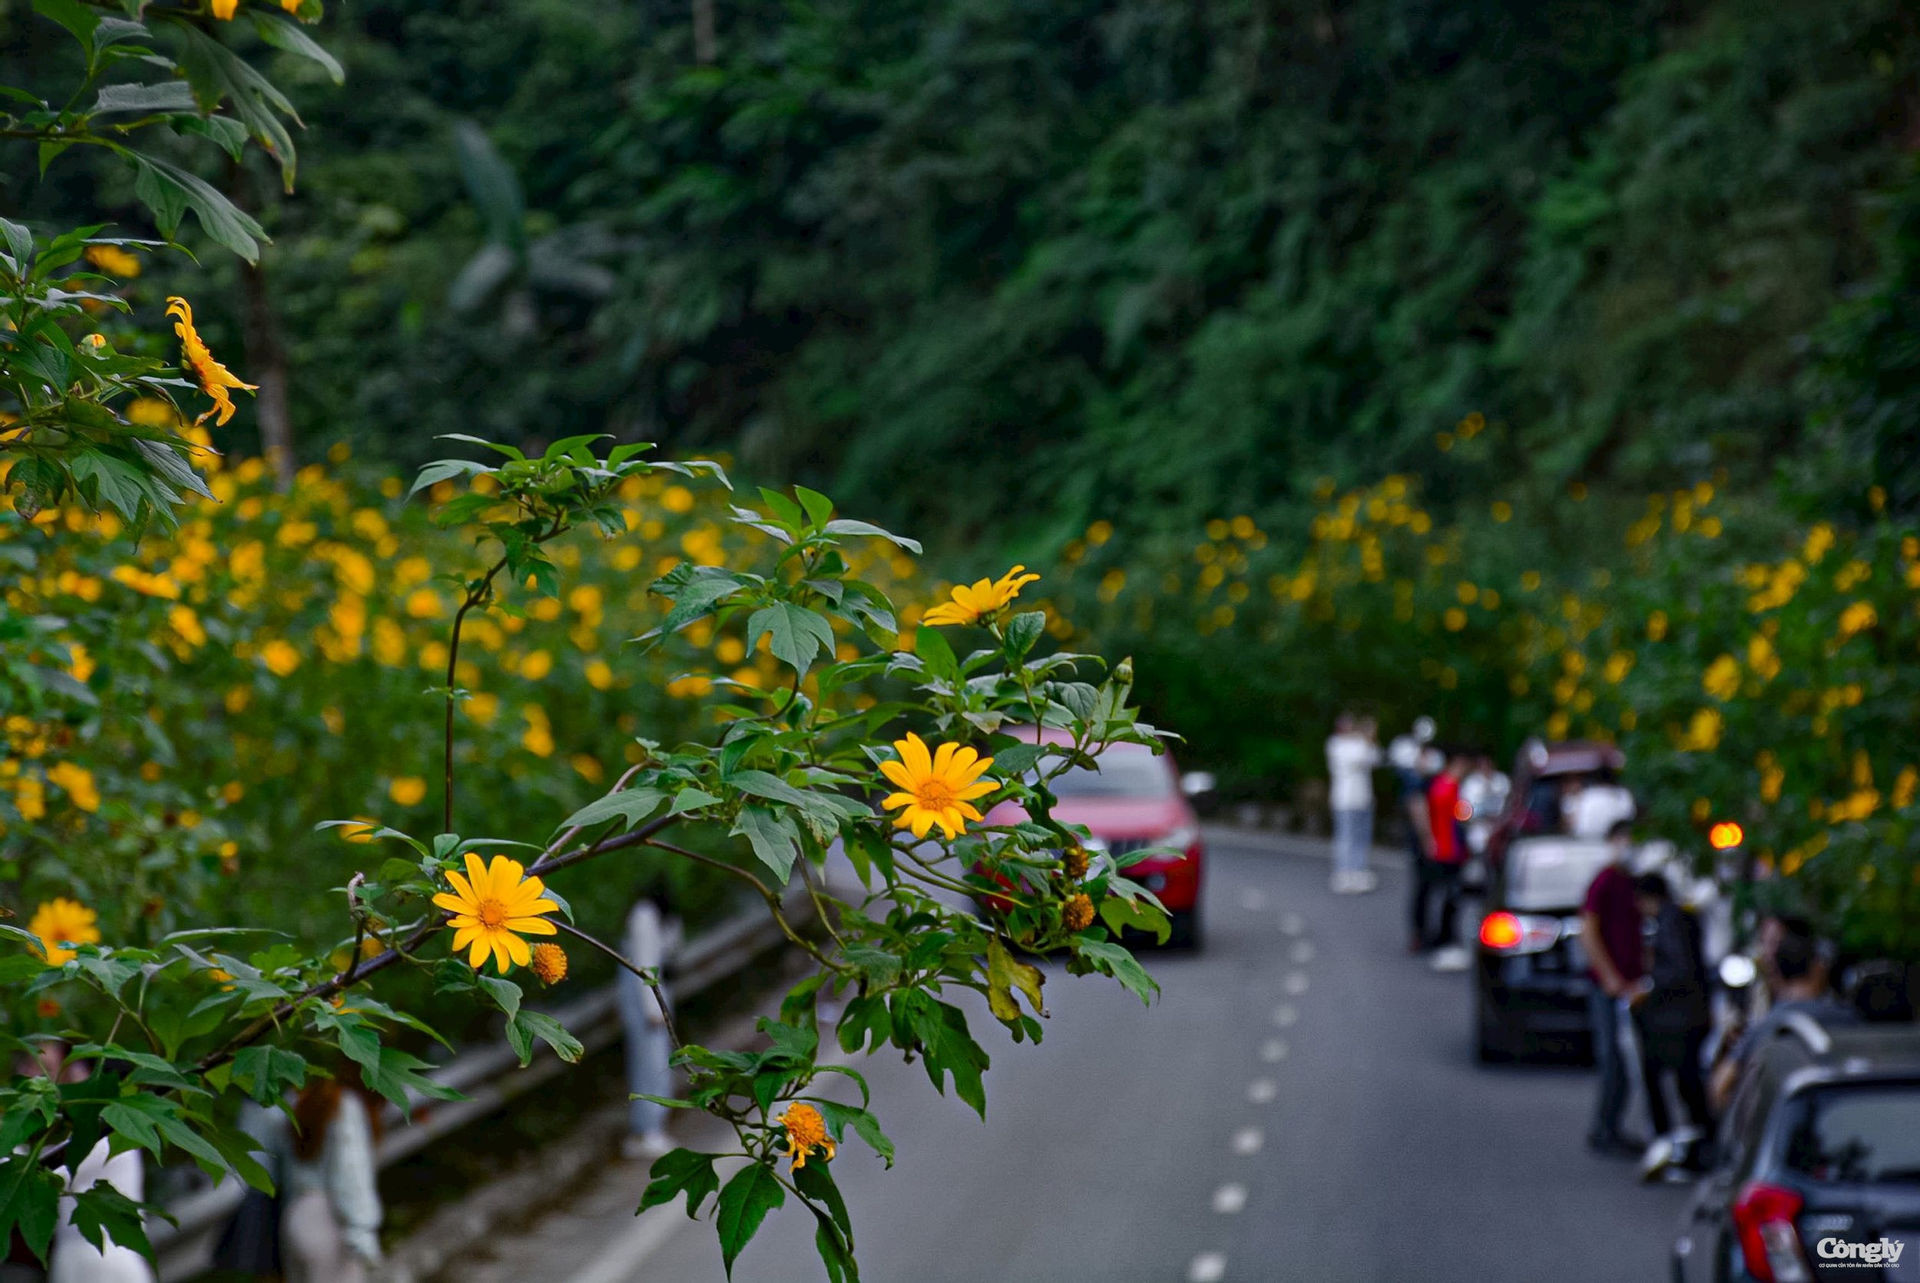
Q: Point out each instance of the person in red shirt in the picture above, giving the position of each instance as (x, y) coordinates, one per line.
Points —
(1438, 874)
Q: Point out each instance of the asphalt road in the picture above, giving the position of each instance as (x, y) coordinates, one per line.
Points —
(1302, 1104)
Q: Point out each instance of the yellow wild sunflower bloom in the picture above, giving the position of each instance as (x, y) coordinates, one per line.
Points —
(60, 922)
(214, 378)
(973, 602)
(492, 907)
(806, 1132)
(937, 787)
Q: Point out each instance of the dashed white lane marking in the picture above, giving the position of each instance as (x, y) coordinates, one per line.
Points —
(1262, 1091)
(1302, 951)
(1248, 1140)
(1273, 1049)
(1253, 900)
(1208, 1267)
(1297, 983)
(1292, 924)
(1229, 1199)
(1285, 1015)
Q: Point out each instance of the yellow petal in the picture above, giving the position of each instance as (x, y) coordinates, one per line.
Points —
(920, 821)
(897, 772)
(477, 874)
(451, 903)
(516, 948)
(482, 945)
(462, 887)
(913, 752)
(943, 756)
(533, 926)
(892, 800)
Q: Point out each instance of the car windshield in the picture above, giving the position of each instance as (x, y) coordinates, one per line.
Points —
(1552, 873)
(1865, 1135)
(1139, 775)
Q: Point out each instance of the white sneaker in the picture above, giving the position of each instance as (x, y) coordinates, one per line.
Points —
(1451, 958)
(1341, 884)
(650, 1146)
(1364, 881)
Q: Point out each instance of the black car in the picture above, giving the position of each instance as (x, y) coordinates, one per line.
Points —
(1817, 1178)
(1530, 971)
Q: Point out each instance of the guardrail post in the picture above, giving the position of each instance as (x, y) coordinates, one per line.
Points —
(651, 936)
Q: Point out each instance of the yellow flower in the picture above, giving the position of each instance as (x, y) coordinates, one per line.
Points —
(187, 625)
(1904, 786)
(113, 260)
(936, 788)
(1722, 678)
(224, 9)
(61, 921)
(1772, 777)
(1618, 665)
(1657, 625)
(492, 907)
(806, 1132)
(281, 657)
(78, 783)
(1857, 617)
(984, 597)
(599, 674)
(1819, 540)
(538, 737)
(1703, 732)
(292, 6)
(536, 665)
(214, 378)
(407, 790)
(1762, 658)
(1454, 619)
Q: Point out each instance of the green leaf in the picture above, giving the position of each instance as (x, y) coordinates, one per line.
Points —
(1004, 975)
(631, 805)
(948, 1047)
(694, 590)
(839, 1117)
(1116, 961)
(529, 1025)
(101, 1212)
(1023, 630)
(29, 1200)
(815, 1181)
(265, 1073)
(76, 18)
(680, 1171)
(819, 507)
(845, 527)
(936, 653)
(282, 33)
(744, 1203)
(222, 220)
(775, 840)
(798, 634)
(166, 96)
(504, 992)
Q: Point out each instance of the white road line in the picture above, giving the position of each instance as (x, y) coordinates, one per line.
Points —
(1208, 1267)
(1273, 1049)
(1292, 924)
(1229, 1199)
(1297, 983)
(1248, 1140)
(620, 1259)
(1253, 900)
(1261, 1091)
(1302, 951)
(1285, 1015)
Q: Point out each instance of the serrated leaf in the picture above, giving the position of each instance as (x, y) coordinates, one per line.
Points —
(744, 1203)
(680, 1171)
(796, 634)
(1004, 976)
(775, 840)
(632, 805)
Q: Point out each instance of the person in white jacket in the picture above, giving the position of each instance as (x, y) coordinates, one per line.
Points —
(1353, 753)
(330, 1197)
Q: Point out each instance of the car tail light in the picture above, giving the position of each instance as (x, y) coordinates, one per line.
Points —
(1763, 1217)
(1505, 932)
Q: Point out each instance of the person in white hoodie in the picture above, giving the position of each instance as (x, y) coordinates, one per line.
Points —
(1353, 753)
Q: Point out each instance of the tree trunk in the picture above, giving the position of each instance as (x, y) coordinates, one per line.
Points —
(267, 364)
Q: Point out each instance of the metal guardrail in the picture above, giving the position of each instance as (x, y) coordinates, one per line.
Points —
(489, 1076)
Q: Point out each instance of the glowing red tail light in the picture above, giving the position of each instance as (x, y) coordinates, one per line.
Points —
(1501, 930)
(1763, 1217)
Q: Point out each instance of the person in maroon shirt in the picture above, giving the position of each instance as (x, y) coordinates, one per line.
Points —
(1439, 871)
(1616, 959)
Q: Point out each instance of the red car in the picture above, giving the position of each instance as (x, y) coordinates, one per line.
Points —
(1136, 799)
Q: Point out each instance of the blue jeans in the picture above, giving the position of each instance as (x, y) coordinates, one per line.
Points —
(1352, 839)
(1609, 1064)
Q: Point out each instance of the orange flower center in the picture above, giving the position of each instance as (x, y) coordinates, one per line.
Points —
(934, 794)
(492, 914)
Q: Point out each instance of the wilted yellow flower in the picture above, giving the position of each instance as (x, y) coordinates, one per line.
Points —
(806, 1132)
(214, 378)
(59, 922)
(984, 597)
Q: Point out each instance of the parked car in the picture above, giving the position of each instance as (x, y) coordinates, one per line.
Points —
(1530, 971)
(1818, 1172)
(1135, 800)
(1540, 775)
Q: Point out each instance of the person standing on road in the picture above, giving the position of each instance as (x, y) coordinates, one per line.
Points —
(1672, 1017)
(1610, 932)
(1439, 873)
(1591, 807)
(652, 938)
(1352, 755)
(331, 1212)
